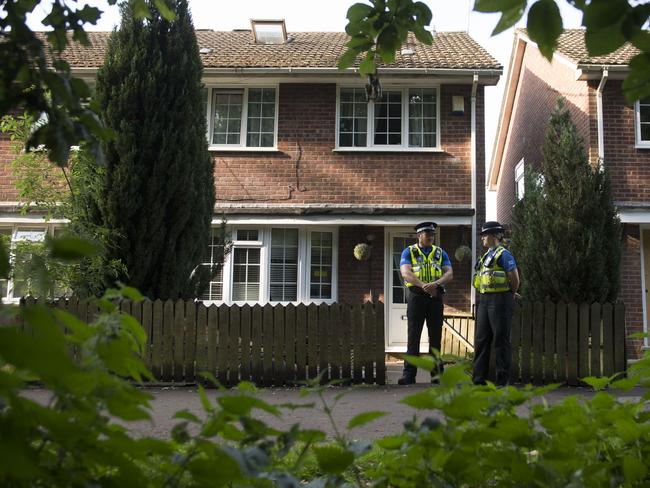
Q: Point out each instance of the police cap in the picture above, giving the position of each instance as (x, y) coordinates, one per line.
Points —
(492, 227)
(426, 227)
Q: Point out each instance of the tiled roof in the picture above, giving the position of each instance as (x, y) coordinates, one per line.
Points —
(572, 44)
(236, 49)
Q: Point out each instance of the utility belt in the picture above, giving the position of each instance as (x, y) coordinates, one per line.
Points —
(416, 290)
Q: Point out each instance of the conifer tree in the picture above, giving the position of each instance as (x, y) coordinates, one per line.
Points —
(158, 191)
(566, 233)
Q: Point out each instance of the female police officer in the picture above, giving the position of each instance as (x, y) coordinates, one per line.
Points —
(425, 269)
(496, 279)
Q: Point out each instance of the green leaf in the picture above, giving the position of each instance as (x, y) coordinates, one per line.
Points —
(596, 383)
(545, 26)
(423, 401)
(604, 41)
(625, 384)
(333, 459)
(367, 66)
(425, 362)
(187, 415)
(243, 404)
(364, 418)
(71, 248)
(508, 19)
(207, 406)
(131, 293)
(311, 435)
(358, 11)
(164, 9)
(634, 470)
(348, 58)
(602, 14)
(392, 442)
(455, 375)
(491, 6)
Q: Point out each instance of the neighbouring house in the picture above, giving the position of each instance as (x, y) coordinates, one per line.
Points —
(614, 131)
(306, 167)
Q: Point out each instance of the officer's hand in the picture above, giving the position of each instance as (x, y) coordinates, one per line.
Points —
(516, 295)
(431, 289)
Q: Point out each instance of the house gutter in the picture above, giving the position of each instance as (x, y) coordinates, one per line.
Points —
(473, 173)
(599, 115)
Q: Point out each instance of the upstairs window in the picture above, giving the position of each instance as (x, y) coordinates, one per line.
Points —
(243, 117)
(519, 180)
(642, 120)
(403, 119)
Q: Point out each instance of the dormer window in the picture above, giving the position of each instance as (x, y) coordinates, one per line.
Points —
(269, 31)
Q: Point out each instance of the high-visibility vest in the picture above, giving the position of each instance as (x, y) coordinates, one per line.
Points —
(427, 268)
(489, 277)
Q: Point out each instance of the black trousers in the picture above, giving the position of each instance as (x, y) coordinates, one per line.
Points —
(420, 308)
(493, 323)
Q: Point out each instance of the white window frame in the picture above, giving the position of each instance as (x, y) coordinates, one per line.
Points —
(264, 244)
(244, 122)
(640, 143)
(519, 178)
(49, 229)
(404, 146)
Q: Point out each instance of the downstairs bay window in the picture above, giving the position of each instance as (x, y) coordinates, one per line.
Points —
(402, 119)
(277, 265)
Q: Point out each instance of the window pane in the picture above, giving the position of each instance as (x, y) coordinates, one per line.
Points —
(645, 132)
(261, 117)
(226, 116)
(388, 119)
(422, 117)
(284, 267)
(213, 261)
(352, 131)
(321, 265)
(246, 276)
(247, 235)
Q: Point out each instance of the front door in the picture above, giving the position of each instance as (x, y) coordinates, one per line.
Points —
(397, 326)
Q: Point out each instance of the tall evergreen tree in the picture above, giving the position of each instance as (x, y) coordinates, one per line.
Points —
(566, 233)
(159, 186)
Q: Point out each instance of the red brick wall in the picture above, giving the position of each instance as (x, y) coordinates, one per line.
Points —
(458, 298)
(631, 292)
(540, 85)
(356, 278)
(305, 170)
(630, 167)
(8, 192)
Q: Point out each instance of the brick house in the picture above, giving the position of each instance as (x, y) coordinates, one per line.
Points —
(306, 168)
(614, 131)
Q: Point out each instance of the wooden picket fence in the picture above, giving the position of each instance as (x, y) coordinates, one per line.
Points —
(561, 343)
(458, 334)
(268, 345)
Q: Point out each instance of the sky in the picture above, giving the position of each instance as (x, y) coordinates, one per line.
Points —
(329, 16)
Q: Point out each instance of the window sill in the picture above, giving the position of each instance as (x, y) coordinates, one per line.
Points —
(242, 149)
(642, 145)
(388, 149)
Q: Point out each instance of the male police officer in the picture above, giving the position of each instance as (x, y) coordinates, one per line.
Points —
(496, 279)
(425, 269)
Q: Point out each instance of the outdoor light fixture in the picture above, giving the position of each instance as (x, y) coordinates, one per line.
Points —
(457, 104)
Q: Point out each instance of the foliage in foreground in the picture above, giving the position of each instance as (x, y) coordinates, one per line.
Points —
(459, 435)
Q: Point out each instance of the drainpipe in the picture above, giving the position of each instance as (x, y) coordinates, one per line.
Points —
(599, 116)
(473, 173)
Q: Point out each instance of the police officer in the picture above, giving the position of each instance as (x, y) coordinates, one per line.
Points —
(425, 269)
(496, 279)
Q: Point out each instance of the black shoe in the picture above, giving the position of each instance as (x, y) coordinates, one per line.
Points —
(406, 380)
